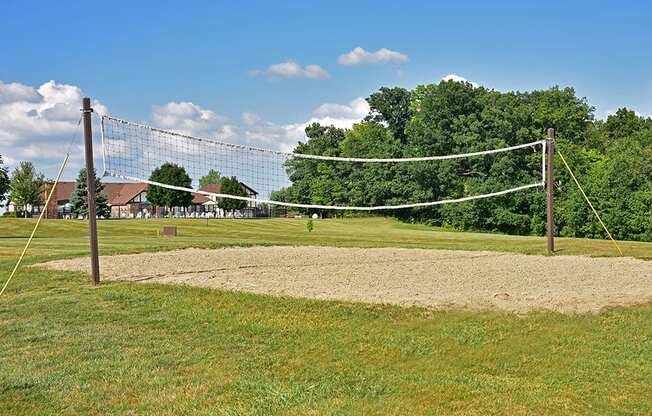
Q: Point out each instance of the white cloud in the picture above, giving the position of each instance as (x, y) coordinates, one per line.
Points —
(356, 109)
(457, 78)
(341, 115)
(360, 56)
(194, 120)
(38, 124)
(188, 118)
(291, 70)
(191, 119)
(14, 92)
(285, 136)
(250, 119)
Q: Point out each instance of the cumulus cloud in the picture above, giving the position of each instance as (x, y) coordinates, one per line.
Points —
(356, 109)
(252, 130)
(328, 114)
(457, 78)
(250, 119)
(189, 118)
(15, 92)
(193, 120)
(267, 135)
(341, 115)
(291, 70)
(38, 124)
(360, 56)
(285, 136)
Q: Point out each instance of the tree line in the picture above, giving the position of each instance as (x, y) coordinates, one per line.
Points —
(612, 158)
(27, 188)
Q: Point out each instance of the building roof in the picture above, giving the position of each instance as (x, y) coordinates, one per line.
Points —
(212, 187)
(250, 189)
(199, 199)
(118, 193)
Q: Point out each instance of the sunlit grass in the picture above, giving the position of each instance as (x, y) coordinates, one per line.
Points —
(69, 348)
(69, 238)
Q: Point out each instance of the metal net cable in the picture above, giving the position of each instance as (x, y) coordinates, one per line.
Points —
(133, 151)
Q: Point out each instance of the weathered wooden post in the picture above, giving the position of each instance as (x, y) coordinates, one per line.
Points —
(90, 185)
(550, 154)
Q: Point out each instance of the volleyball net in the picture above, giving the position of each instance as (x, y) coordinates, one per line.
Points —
(133, 151)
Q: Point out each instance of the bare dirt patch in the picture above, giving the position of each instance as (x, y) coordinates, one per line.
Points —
(432, 278)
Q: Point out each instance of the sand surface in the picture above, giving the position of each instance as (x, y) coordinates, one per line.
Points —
(432, 278)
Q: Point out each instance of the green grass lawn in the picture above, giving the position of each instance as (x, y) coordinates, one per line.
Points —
(120, 348)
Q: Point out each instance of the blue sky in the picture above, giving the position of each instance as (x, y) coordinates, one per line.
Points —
(139, 57)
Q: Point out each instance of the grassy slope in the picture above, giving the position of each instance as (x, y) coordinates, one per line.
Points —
(68, 238)
(146, 349)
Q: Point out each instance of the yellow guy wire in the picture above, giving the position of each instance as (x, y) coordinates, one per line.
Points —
(589, 202)
(40, 217)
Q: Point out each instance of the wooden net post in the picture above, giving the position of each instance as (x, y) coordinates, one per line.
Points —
(550, 154)
(90, 185)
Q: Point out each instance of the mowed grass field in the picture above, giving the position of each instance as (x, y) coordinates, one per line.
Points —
(121, 348)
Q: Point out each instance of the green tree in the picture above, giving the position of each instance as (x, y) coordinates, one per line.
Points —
(212, 177)
(283, 195)
(79, 197)
(5, 183)
(170, 174)
(231, 186)
(371, 183)
(391, 106)
(622, 124)
(26, 186)
(316, 181)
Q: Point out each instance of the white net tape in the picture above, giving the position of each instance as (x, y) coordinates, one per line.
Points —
(133, 151)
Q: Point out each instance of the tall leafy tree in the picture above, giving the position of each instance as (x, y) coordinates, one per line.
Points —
(79, 197)
(4, 182)
(391, 106)
(212, 177)
(170, 174)
(371, 183)
(26, 186)
(314, 181)
(231, 186)
(622, 124)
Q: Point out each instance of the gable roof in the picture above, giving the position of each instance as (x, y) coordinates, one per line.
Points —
(117, 193)
(211, 187)
(199, 199)
(121, 193)
(63, 192)
(249, 188)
